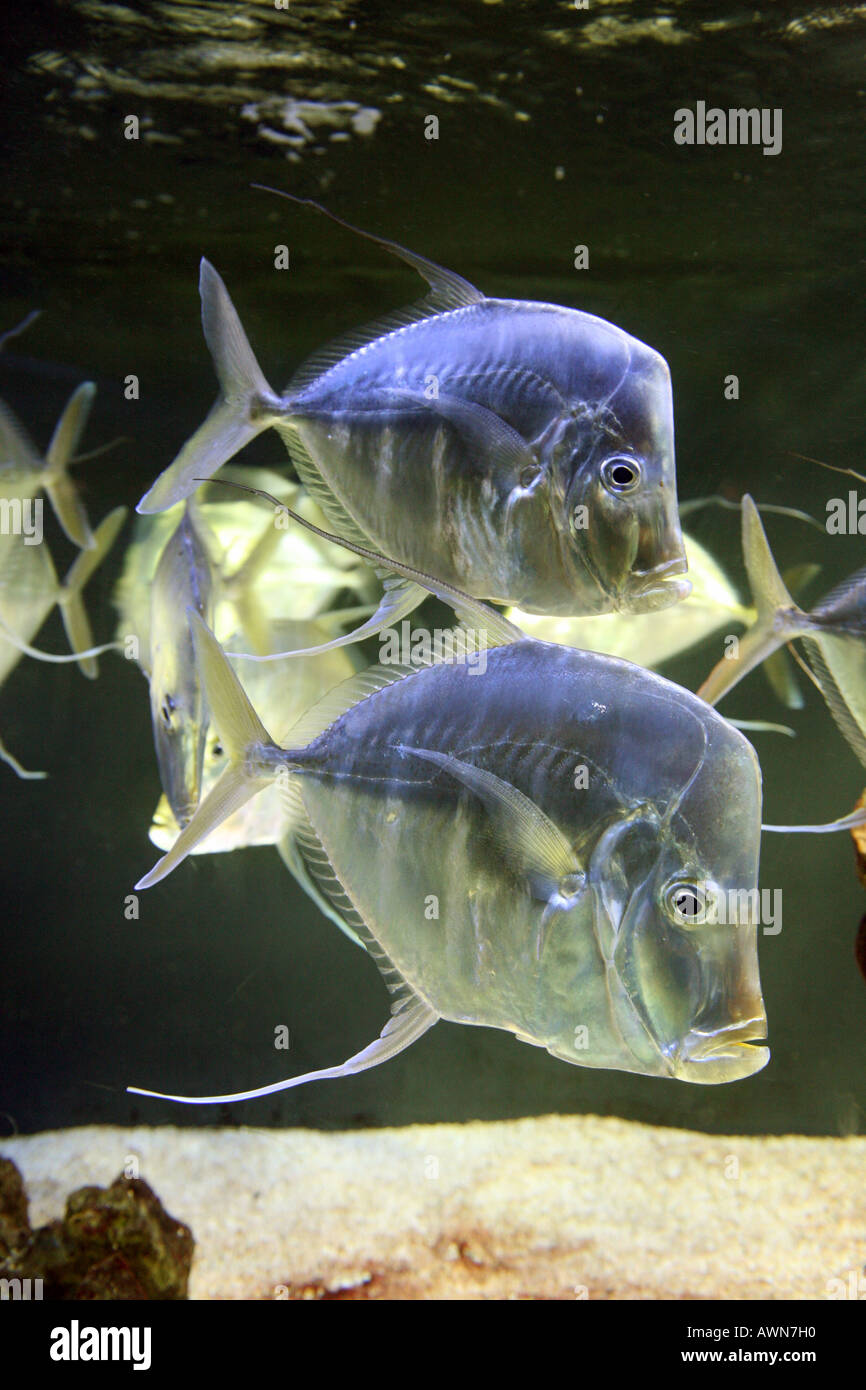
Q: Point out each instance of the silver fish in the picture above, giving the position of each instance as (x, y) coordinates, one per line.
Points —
(441, 811)
(833, 635)
(183, 583)
(521, 451)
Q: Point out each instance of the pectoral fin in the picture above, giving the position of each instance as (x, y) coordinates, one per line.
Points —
(529, 838)
(485, 432)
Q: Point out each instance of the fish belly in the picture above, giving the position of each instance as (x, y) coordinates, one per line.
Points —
(441, 902)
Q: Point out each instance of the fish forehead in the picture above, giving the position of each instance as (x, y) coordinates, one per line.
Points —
(643, 734)
(582, 357)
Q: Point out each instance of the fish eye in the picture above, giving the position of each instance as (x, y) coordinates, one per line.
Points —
(620, 474)
(684, 903)
(166, 710)
(528, 475)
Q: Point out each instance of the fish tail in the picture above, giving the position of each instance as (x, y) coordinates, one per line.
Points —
(71, 596)
(244, 408)
(249, 747)
(61, 490)
(778, 617)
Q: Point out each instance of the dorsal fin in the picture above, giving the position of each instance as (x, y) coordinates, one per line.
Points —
(447, 291)
(343, 697)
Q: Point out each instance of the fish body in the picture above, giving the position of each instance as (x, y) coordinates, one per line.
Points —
(183, 581)
(29, 589)
(466, 443)
(523, 451)
(613, 959)
(443, 813)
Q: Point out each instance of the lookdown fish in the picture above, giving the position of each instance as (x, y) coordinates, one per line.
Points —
(833, 634)
(227, 561)
(521, 451)
(562, 810)
(29, 589)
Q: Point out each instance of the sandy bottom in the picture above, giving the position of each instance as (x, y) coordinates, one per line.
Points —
(560, 1207)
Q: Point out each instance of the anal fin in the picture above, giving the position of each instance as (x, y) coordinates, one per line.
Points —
(411, 1015)
(401, 1030)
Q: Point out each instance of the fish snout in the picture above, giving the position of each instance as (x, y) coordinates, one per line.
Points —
(728, 1053)
(661, 587)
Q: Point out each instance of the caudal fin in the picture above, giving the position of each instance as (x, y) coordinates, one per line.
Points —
(778, 617)
(241, 732)
(245, 406)
(61, 490)
(71, 597)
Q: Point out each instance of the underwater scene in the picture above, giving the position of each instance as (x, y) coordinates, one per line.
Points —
(433, 617)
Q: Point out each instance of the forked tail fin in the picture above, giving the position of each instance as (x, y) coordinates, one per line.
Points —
(778, 617)
(244, 408)
(242, 734)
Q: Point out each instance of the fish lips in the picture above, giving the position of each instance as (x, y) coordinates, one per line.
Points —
(724, 1054)
(662, 587)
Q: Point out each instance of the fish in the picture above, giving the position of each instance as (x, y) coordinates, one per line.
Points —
(522, 845)
(832, 634)
(183, 582)
(24, 472)
(281, 695)
(651, 639)
(225, 560)
(29, 590)
(522, 452)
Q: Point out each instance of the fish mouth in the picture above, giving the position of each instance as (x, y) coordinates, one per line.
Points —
(657, 588)
(726, 1054)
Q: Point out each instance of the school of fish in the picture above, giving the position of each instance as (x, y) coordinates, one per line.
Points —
(523, 823)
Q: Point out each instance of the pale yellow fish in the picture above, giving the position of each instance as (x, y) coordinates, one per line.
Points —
(266, 573)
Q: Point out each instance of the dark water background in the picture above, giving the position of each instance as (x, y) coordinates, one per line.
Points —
(556, 128)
